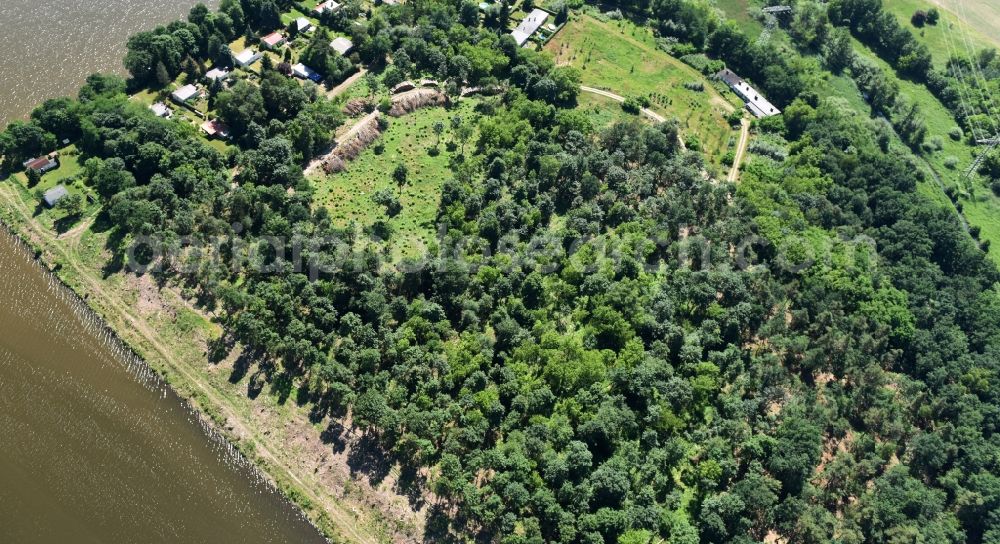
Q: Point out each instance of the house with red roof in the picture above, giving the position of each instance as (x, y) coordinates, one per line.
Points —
(272, 40)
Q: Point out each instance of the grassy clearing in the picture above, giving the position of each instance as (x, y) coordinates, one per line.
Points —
(603, 111)
(981, 16)
(953, 33)
(937, 117)
(623, 58)
(739, 11)
(408, 141)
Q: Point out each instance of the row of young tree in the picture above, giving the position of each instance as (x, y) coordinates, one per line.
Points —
(579, 358)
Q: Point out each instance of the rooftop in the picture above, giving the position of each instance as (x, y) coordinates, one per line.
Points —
(245, 57)
(185, 93)
(328, 5)
(341, 45)
(529, 25)
(160, 109)
(216, 74)
(54, 195)
(305, 72)
(40, 163)
(215, 127)
(756, 103)
(273, 39)
(303, 24)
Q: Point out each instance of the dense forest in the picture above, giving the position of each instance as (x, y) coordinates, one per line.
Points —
(605, 345)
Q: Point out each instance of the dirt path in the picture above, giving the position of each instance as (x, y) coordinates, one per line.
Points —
(741, 148)
(73, 234)
(645, 111)
(618, 98)
(118, 311)
(340, 88)
(351, 132)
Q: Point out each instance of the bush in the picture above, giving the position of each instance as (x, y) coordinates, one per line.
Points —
(932, 16)
(950, 162)
(729, 157)
(734, 117)
(696, 86)
(995, 187)
(955, 133)
(692, 142)
(919, 18)
(631, 105)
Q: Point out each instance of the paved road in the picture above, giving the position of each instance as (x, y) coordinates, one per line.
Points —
(741, 148)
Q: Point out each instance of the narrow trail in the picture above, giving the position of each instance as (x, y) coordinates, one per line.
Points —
(618, 98)
(343, 85)
(741, 148)
(645, 111)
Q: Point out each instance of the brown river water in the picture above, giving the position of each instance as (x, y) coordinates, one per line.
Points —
(93, 448)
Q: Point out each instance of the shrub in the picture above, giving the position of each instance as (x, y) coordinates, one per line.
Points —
(919, 18)
(729, 157)
(692, 142)
(950, 162)
(631, 105)
(955, 133)
(932, 16)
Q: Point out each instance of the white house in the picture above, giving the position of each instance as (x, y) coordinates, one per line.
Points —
(246, 57)
(756, 103)
(529, 25)
(216, 74)
(185, 93)
(304, 25)
(342, 45)
(161, 110)
(328, 6)
(302, 71)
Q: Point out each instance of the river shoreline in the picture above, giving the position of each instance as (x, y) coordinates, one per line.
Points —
(154, 378)
(279, 438)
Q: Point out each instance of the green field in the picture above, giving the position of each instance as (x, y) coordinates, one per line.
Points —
(603, 111)
(738, 11)
(623, 58)
(965, 25)
(408, 141)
